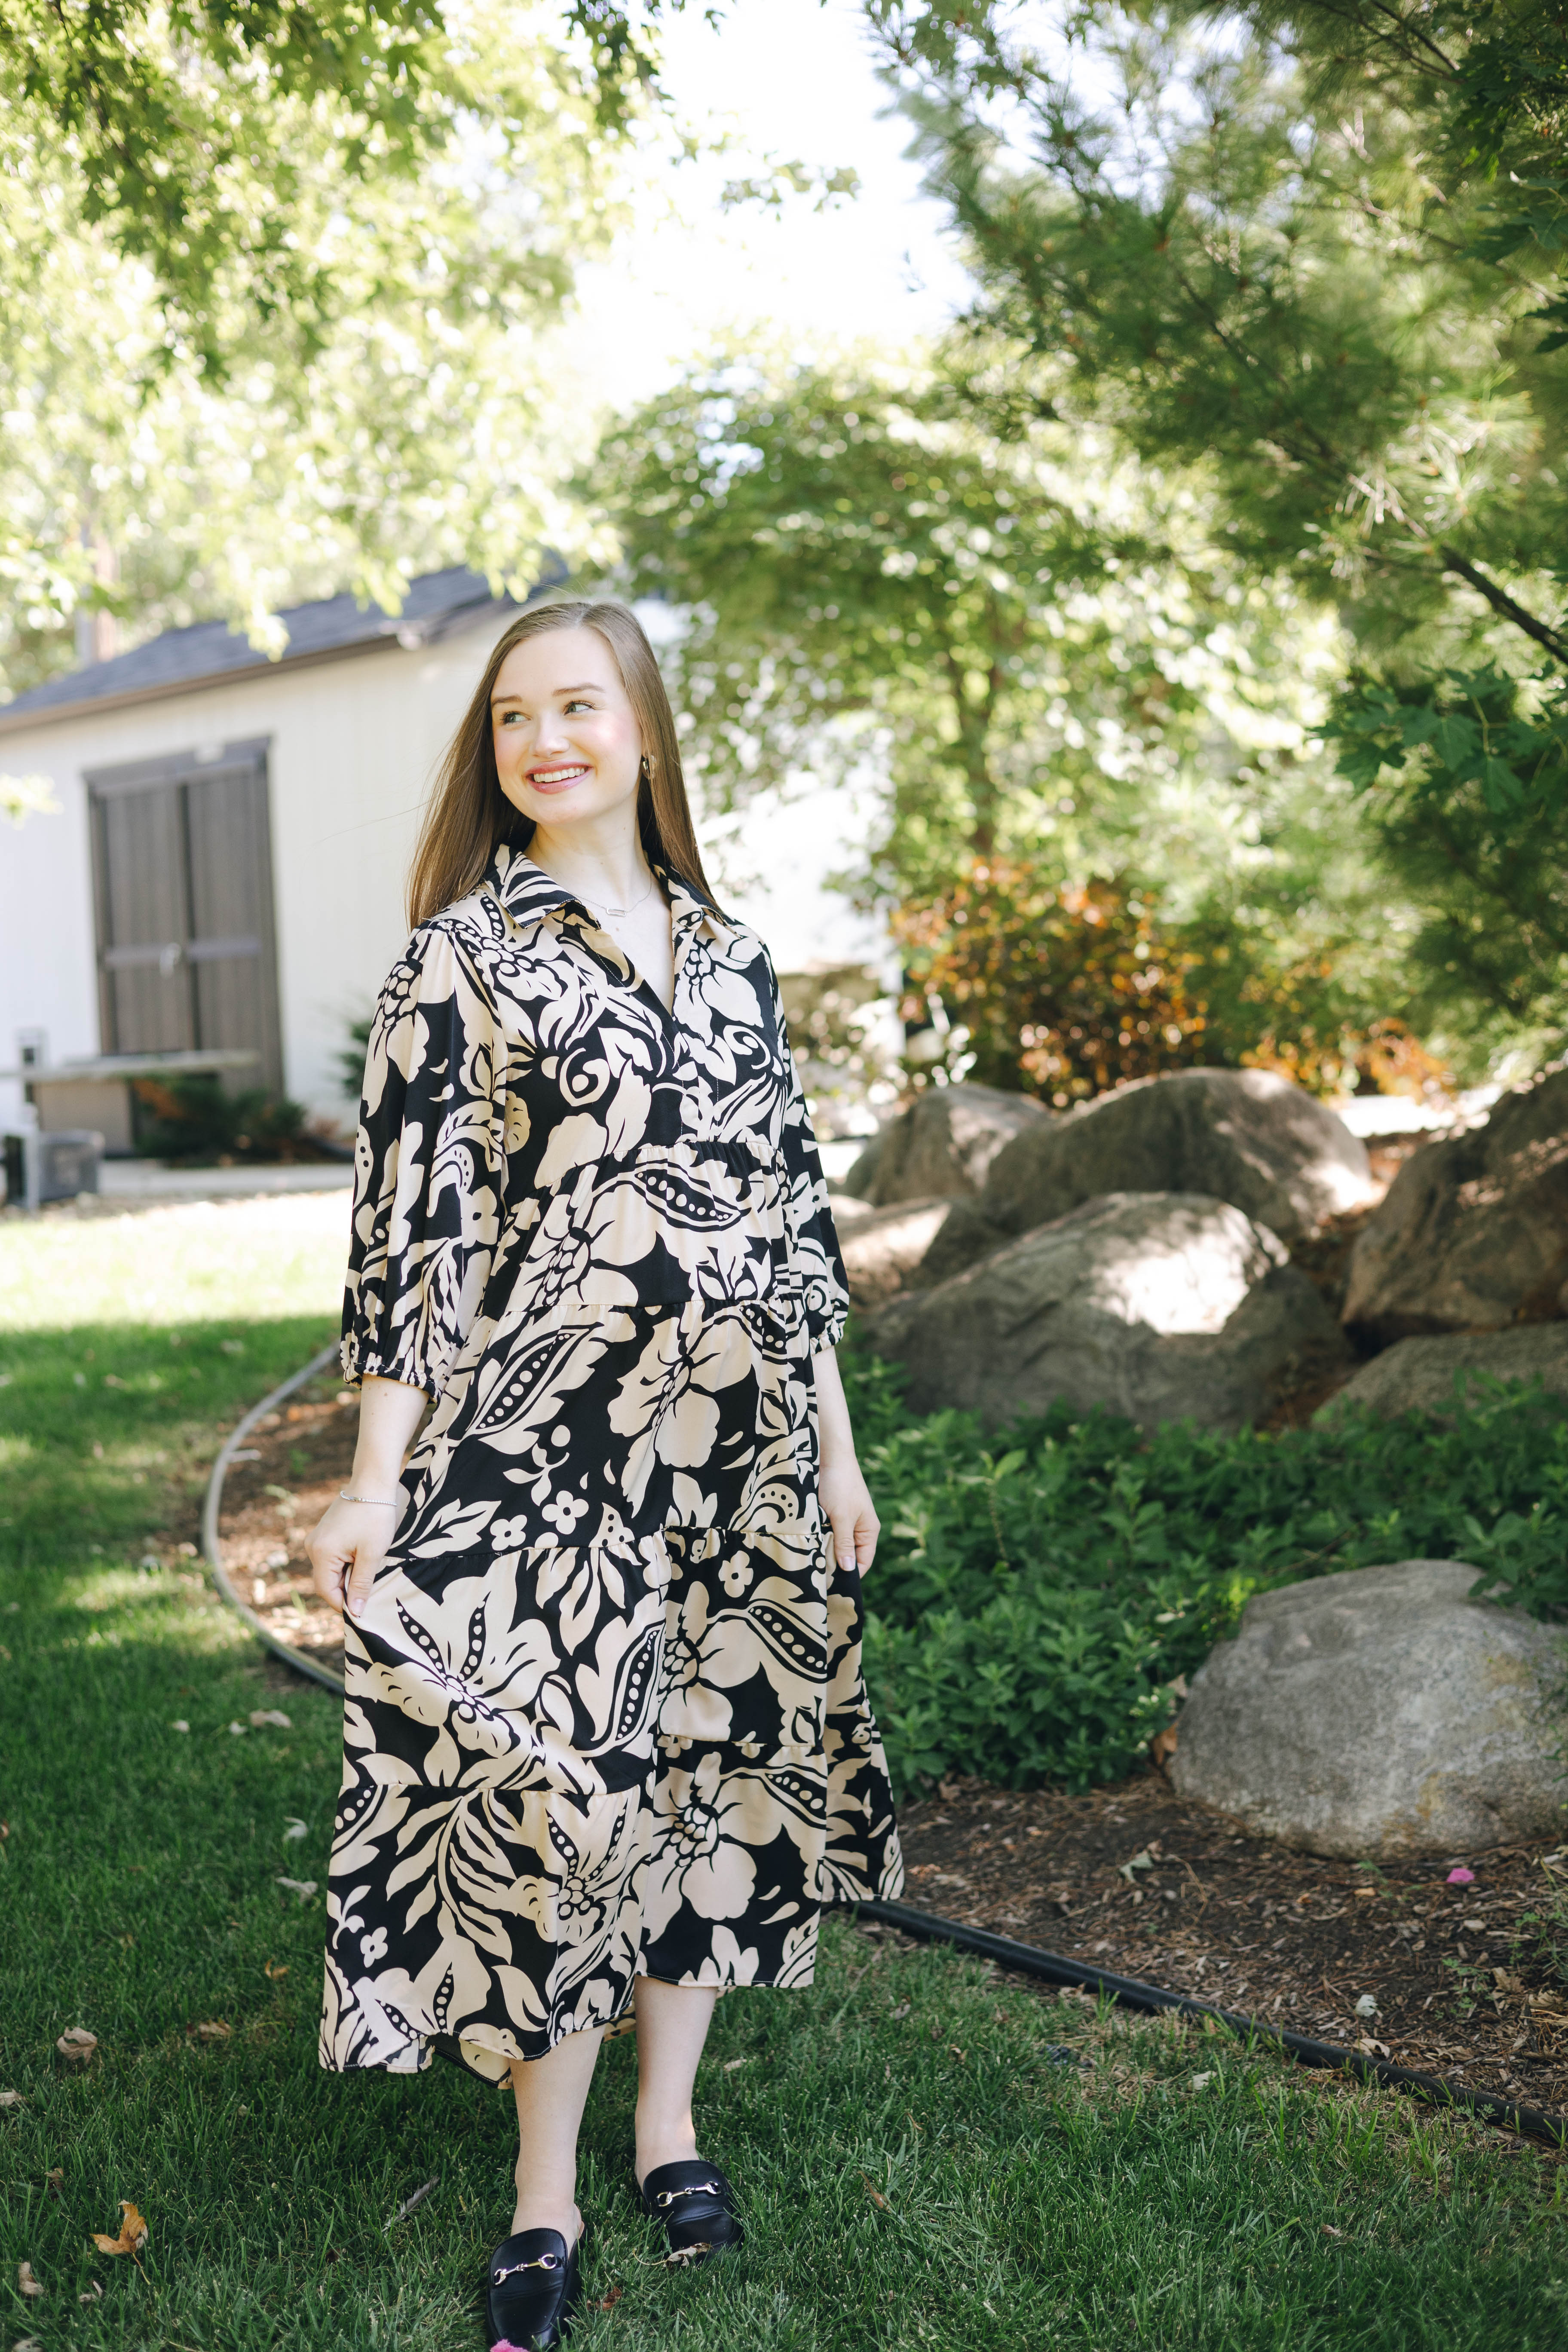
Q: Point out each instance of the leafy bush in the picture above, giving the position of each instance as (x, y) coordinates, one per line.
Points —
(1061, 991)
(193, 1118)
(1038, 1594)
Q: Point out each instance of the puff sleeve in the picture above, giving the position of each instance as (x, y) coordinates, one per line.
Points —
(429, 1165)
(813, 1239)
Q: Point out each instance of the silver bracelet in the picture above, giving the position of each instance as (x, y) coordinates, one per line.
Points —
(380, 1502)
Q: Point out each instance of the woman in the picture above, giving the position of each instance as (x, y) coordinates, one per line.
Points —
(607, 1744)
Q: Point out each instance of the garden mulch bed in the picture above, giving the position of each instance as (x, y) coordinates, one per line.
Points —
(1131, 1879)
(1464, 1983)
(300, 1457)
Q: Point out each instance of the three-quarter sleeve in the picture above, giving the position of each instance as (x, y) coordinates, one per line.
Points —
(817, 1261)
(430, 1163)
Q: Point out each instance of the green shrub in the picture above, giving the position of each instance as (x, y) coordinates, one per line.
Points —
(193, 1117)
(1038, 1592)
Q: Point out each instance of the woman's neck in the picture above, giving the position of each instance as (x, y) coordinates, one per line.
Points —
(606, 865)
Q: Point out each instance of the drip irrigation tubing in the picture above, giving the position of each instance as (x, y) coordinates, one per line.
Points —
(1028, 1959)
(212, 1542)
(1024, 1959)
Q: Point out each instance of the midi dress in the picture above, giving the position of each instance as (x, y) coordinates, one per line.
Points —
(604, 1712)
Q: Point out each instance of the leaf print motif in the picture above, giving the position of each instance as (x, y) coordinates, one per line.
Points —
(604, 1713)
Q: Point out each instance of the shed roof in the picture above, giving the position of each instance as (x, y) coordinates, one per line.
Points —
(210, 652)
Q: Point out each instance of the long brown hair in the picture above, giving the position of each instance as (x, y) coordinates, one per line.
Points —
(469, 815)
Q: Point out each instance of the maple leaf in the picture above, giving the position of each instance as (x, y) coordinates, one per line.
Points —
(132, 2233)
(77, 2046)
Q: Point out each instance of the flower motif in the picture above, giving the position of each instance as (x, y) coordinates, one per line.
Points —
(373, 1947)
(565, 1512)
(735, 1575)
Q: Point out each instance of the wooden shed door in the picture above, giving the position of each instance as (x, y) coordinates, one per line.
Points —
(183, 884)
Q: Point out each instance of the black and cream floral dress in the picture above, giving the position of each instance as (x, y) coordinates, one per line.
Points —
(605, 1714)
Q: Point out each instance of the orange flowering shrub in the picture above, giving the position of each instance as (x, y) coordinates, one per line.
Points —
(1063, 992)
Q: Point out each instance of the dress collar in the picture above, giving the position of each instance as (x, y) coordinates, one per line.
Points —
(528, 894)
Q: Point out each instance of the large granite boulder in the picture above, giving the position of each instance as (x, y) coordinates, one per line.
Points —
(1242, 1136)
(1380, 1713)
(1159, 1305)
(1418, 1375)
(1473, 1232)
(942, 1146)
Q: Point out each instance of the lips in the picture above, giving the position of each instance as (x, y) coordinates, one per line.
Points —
(558, 778)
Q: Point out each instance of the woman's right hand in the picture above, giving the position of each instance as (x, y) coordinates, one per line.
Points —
(352, 1539)
(346, 1548)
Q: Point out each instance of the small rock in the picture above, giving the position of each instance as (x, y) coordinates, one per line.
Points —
(882, 1248)
(1380, 1713)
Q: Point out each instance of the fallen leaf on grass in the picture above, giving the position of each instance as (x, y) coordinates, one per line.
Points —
(609, 2302)
(10, 2098)
(875, 2194)
(94, 2293)
(303, 1887)
(179, 1724)
(237, 1729)
(1329, 2229)
(213, 2029)
(1202, 2082)
(261, 1716)
(56, 2179)
(132, 2233)
(77, 2046)
(730, 2066)
(26, 2283)
(902, 2009)
(282, 1970)
(296, 1829)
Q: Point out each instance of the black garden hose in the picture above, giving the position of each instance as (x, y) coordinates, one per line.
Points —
(1028, 1959)
(212, 1543)
(1024, 1959)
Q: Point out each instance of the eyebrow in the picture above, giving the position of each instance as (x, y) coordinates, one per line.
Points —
(589, 686)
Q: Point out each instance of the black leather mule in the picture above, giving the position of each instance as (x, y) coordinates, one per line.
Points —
(697, 2206)
(532, 2290)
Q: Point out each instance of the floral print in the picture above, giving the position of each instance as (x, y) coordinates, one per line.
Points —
(605, 1714)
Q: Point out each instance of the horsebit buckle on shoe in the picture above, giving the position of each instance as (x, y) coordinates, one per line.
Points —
(544, 2262)
(693, 2189)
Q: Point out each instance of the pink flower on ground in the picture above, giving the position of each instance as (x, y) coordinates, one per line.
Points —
(1461, 1877)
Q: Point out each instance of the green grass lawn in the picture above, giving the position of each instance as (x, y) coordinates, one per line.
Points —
(918, 2169)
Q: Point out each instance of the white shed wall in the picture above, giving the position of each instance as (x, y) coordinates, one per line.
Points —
(352, 747)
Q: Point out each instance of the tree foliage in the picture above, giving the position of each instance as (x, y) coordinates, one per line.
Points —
(1316, 249)
(174, 126)
(1043, 641)
(418, 424)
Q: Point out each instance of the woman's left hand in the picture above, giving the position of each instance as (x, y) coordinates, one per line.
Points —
(850, 1513)
(847, 1502)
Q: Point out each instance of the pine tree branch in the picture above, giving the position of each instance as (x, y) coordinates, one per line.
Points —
(1501, 602)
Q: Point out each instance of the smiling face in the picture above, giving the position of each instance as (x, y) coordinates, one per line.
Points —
(567, 745)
